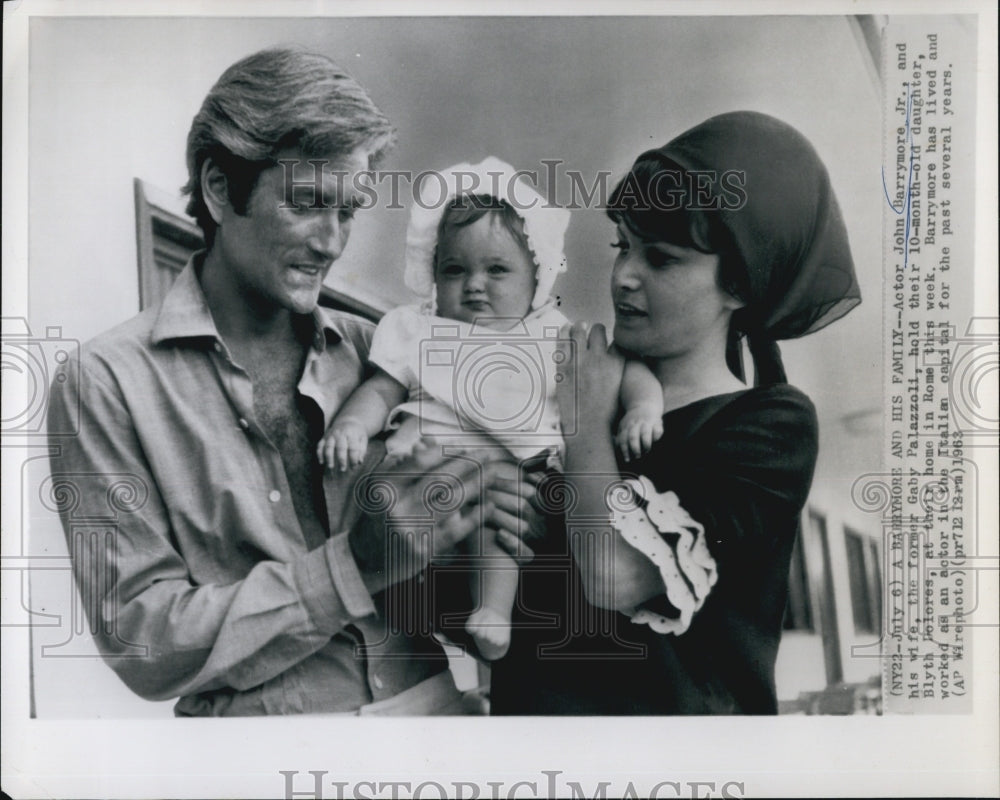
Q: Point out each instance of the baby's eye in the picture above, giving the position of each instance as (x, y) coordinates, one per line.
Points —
(450, 270)
(497, 269)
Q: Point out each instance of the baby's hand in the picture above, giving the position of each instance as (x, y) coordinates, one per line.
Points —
(343, 446)
(639, 428)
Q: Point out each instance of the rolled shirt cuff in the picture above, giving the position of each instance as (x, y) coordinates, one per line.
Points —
(347, 577)
(331, 586)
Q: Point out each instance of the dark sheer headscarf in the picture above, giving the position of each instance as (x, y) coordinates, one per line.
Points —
(773, 219)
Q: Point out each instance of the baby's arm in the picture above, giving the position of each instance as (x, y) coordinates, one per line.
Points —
(360, 418)
(641, 396)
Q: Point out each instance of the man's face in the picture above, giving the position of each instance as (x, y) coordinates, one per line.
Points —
(279, 252)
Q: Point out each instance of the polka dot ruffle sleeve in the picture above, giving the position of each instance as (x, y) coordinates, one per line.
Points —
(656, 525)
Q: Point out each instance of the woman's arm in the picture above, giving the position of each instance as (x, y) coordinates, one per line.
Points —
(615, 574)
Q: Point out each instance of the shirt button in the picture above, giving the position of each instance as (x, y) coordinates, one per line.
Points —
(244, 424)
(378, 682)
(218, 347)
(274, 496)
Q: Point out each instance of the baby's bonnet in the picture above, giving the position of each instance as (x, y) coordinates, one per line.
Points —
(544, 224)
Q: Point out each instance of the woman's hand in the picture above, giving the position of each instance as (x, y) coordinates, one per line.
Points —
(589, 376)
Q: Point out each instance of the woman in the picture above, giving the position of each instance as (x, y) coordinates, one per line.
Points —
(661, 586)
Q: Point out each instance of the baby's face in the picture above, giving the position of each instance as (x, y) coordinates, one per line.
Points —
(484, 274)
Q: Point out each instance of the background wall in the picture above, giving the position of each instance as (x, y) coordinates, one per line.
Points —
(111, 100)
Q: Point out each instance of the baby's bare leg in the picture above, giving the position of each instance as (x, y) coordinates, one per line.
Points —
(496, 581)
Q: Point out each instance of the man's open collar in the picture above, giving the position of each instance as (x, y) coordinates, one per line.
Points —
(184, 313)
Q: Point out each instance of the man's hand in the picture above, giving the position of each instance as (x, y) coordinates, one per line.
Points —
(415, 510)
(511, 509)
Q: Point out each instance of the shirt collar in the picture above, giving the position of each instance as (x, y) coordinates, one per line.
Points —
(184, 313)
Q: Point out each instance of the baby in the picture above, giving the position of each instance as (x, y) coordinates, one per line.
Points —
(474, 365)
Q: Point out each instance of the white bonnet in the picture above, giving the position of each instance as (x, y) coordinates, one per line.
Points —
(544, 225)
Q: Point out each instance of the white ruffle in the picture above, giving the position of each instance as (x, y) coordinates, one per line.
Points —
(688, 570)
(544, 225)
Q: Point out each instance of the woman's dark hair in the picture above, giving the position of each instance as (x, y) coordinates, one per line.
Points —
(658, 202)
(466, 209)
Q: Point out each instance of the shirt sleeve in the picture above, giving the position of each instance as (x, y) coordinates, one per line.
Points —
(135, 584)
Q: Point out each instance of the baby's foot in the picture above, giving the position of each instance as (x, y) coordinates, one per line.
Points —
(491, 632)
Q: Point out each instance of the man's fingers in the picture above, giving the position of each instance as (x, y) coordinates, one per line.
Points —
(498, 518)
(532, 469)
(514, 547)
(512, 497)
(452, 528)
(494, 461)
(444, 487)
(521, 514)
(426, 463)
(521, 485)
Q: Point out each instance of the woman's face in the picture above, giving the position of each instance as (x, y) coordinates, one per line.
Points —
(667, 298)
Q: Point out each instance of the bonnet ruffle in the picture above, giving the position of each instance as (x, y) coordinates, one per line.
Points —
(544, 224)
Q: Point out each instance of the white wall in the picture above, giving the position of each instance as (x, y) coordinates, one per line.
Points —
(111, 99)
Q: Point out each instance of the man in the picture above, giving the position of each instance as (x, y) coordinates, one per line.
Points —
(246, 580)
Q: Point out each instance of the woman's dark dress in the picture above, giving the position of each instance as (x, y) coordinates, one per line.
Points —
(741, 465)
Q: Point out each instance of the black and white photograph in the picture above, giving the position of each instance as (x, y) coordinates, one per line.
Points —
(601, 401)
